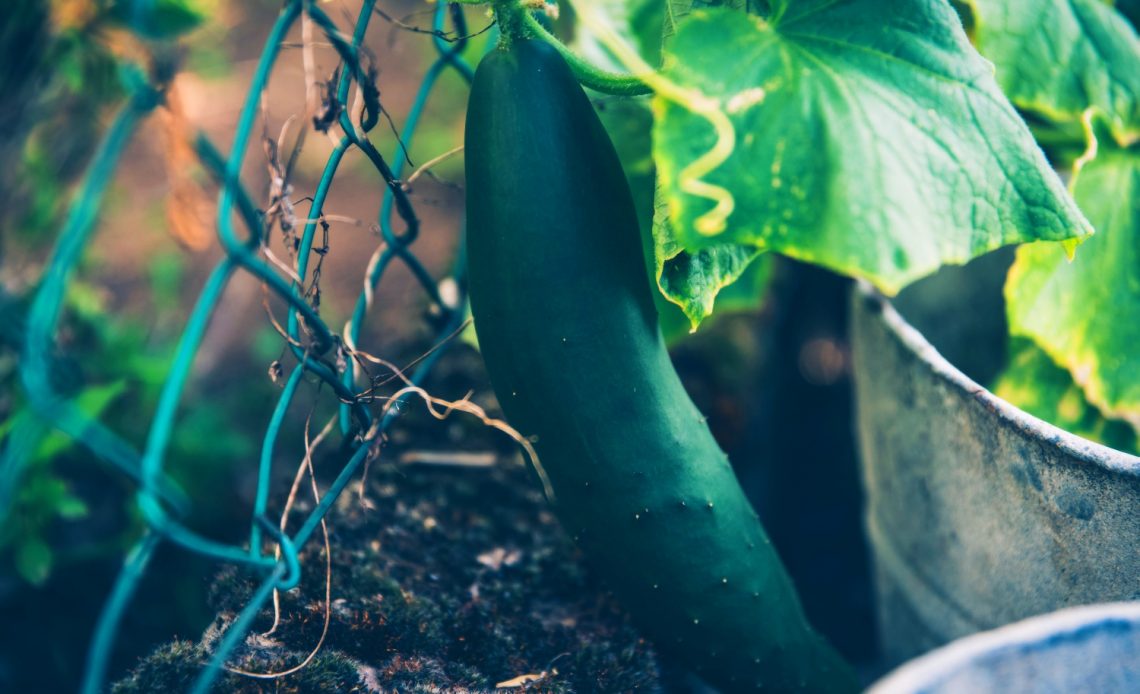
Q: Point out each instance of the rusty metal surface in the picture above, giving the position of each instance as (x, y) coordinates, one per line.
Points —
(979, 514)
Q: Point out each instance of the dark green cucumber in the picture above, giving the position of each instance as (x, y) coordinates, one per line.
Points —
(566, 323)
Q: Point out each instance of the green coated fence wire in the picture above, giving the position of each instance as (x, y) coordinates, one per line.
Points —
(317, 348)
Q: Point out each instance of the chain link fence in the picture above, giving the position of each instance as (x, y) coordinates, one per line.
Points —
(317, 350)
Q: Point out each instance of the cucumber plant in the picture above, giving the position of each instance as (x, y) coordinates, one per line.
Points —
(870, 138)
(568, 330)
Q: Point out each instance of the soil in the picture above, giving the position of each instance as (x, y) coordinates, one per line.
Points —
(445, 578)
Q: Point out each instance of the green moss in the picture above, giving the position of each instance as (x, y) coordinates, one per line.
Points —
(328, 672)
(174, 667)
(171, 668)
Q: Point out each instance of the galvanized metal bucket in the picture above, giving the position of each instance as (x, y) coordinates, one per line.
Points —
(979, 514)
(1081, 649)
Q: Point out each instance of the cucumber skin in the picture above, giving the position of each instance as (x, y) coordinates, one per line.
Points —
(567, 327)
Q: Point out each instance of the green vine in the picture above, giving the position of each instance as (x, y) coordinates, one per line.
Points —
(589, 75)
(517, 22)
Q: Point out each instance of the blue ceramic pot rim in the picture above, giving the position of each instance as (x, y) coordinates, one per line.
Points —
(1034, 428)
(1070, 625)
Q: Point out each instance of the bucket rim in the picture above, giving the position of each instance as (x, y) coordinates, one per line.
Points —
(1034, 428)
(1069, 624)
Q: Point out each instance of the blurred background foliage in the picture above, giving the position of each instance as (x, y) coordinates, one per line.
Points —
(65, 57)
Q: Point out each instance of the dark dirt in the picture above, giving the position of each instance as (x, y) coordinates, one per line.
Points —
(446, 579)
(415, 610)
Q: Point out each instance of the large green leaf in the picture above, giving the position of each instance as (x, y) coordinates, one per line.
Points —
(637, 22)
(870, 138)
(722, 277)
(1057, 58)
(694, 280)
(1086, 313)
(689, 286)
(1033, 382)
(676, 10)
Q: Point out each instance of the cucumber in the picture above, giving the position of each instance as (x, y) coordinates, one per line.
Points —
(567, 326)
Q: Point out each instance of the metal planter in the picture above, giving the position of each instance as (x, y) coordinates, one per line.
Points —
(1081, 649)
(979, 515)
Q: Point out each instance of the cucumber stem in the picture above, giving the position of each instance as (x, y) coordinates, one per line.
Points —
(508, 14)
(588, 75)
(517, 22)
